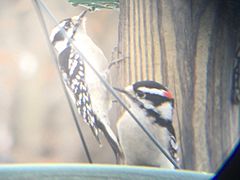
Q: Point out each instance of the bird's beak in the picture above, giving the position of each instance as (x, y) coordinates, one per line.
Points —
(82, 14)
(127, 91)
(120, 90)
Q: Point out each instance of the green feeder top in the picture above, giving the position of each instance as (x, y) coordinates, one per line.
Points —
(96, 4)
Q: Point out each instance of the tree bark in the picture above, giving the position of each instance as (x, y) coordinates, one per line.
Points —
(188, 46)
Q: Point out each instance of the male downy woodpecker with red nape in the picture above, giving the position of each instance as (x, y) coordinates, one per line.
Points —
(92, 100)
(152, 104)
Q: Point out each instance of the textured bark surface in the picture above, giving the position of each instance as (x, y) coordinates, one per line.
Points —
(188, 46)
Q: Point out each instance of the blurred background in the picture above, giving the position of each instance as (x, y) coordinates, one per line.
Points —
(35, 120)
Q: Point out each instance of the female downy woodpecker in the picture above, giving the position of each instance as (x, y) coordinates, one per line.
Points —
(92, 100)
(152, 104)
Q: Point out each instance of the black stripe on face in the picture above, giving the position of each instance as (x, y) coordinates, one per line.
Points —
(157, 99)
(58, 37)
(65, 24)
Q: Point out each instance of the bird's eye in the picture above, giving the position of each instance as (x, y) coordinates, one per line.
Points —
(67, 25)
(140, 94)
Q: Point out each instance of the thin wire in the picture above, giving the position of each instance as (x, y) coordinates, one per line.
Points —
(112, 91)
(40, 15)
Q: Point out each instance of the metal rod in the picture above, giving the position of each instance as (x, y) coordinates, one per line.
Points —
(53, 54)
(121, 102)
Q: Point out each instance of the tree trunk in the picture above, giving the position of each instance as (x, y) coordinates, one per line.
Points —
(188, 46)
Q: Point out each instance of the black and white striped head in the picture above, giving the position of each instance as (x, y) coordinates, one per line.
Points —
(150, 95)
(67, 28)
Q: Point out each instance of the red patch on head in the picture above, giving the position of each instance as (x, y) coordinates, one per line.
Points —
(168, 95)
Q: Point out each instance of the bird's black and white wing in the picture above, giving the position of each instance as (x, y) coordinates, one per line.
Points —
(72, 68)
(173, 147)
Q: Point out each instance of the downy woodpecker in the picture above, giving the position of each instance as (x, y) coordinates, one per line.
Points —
(92, 100)
(152, 104)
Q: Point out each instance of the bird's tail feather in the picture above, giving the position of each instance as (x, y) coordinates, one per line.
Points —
(112, 140)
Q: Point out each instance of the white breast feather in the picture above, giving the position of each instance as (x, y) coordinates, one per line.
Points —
(166, 110)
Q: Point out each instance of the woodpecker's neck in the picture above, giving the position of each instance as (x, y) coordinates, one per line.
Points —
(166, 110)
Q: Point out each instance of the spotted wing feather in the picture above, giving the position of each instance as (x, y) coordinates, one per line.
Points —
(173, 147)
(74, 71)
